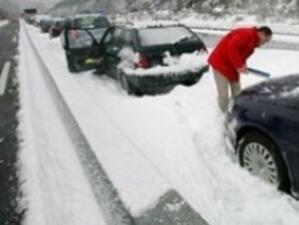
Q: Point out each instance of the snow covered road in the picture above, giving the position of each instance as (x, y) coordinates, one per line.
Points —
(55, 186)
(175, 140)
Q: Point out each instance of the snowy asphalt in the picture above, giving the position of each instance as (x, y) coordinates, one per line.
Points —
(9, 212)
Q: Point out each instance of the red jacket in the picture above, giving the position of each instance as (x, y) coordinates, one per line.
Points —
(232, 52)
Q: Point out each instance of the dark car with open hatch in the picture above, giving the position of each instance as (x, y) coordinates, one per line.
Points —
(143, 49)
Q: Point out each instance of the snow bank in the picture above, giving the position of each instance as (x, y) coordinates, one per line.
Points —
(276, 37)
(202, 20)
(173, 65)
(294, 93)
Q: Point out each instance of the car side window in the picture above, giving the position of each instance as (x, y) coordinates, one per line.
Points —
(108, 38)
(127, 38)
(118, 37)
(112, 37)
(79, 39)
(114, 41)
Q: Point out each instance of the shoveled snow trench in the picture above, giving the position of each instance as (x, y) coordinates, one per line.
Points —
(146, 145)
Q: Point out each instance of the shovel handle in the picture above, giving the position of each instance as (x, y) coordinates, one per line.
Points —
(259, 72)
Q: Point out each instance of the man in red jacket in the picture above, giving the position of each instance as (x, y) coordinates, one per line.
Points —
(228, 59)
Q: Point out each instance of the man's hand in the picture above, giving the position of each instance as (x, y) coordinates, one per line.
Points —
(243, 69)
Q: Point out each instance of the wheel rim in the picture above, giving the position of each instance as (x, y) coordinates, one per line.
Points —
(258, 160)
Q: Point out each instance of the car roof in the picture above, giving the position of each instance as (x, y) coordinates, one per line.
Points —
(133, 27)
(89, 14)
(140, 26)
(58, 19)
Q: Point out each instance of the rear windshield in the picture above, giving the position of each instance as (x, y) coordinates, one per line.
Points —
(91, 22)
(85, 38)
(165, 35)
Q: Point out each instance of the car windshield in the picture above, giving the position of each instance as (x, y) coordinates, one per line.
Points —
(98, 33)
(91, 22)
(84, 38)
(165, 35)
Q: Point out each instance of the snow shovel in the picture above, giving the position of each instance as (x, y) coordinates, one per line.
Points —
(259, 72)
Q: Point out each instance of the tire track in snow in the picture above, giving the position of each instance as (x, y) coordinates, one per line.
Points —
(104, 192)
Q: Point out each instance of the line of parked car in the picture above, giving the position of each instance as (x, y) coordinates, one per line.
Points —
(133, 56)
(47, 24)
(263, 119)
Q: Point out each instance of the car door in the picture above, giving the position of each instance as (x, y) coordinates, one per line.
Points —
(112, 44)
(83, 48)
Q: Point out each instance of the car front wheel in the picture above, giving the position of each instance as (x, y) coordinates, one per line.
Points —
(260, 156)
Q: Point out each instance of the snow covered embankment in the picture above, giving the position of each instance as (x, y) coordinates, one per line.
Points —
(206, 21)
(141, 187)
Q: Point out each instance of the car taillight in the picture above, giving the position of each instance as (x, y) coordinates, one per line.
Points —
(141, 61)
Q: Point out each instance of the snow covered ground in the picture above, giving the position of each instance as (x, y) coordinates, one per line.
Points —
(276, 37)
(3, 23)
(55, 188)
(174, 140)
(202, 20)
(283, 27)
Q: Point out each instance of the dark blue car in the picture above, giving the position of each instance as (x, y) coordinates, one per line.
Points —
(264, 128)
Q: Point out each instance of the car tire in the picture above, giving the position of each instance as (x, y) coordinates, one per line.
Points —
(268, 154)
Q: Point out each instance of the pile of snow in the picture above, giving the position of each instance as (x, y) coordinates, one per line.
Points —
(293, 93)
(188, 62)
